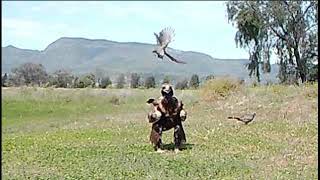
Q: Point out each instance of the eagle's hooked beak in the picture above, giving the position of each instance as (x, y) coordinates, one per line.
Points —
(166, 89)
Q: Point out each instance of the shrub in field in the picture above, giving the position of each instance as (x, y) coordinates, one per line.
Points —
(29, 74)
(86, 81)
(209, 77)
(105, 82)
(135, 79)
(219, 88)
(120, 81)
(312, 75)
(4, 80)
(182, 84)
(150, 82)
(76, 83)
(61, 78)
(194, 81)
(166, 80)
(114, 100)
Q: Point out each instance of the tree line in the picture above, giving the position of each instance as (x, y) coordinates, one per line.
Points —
(287, 29)
(30, 74)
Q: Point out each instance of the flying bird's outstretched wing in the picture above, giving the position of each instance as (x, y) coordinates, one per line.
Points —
(166, 36)
(157, 37)
(163, 39)
(173, 59)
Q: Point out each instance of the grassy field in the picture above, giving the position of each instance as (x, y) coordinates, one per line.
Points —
(103, 134)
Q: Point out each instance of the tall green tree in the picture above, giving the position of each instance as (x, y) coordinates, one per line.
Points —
(88, 80)
(29, 74)
(288, 28)
(62, 78)
(183, 84)
(166, 80)
(120, 81)
(4, 80)
(105, 82)
(150, 82)
(135, 79)
(194, 81)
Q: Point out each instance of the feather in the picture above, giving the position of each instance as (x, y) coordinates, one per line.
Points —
(163, 39)
(157, 37)
(173, 59)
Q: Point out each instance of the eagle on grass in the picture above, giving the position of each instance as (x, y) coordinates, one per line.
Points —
(164, 37)
(168, 113)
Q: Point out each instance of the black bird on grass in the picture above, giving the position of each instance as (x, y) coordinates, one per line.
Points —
(245, 118)
(163, 40)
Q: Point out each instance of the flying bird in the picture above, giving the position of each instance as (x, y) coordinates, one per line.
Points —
(245, 118)
(163, 40)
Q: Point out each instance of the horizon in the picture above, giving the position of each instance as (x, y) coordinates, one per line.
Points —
(116, 42)
(199, 26)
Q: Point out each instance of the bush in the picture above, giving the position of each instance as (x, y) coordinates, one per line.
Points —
(150, 82)
(182, 84)
(209, 77)
(312, 75)
(84, 81)
(61, 78)
(166, 80)
(115, 100)
(29, 74)
(105, 82)
(4, 80)
(219, 88)
(194, 81)
(120, 81)
(88, 80)
(135, 78)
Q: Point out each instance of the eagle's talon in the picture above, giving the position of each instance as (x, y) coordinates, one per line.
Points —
(154, 117)
(183, 115)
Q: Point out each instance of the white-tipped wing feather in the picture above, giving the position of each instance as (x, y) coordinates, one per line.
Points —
(166, 36)
(163, 39)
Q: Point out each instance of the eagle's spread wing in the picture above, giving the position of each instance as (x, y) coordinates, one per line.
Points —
(157, 37)
(166, 36)
(163, 39)
(173, 59)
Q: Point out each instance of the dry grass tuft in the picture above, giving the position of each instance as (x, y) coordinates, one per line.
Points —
(115, 100)
(219, 88)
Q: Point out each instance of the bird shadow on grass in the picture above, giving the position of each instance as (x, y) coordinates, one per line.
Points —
(170, 146)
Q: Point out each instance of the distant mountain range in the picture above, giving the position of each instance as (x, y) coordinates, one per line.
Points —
(81, 56)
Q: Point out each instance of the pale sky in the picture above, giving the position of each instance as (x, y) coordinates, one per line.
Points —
(199, 26)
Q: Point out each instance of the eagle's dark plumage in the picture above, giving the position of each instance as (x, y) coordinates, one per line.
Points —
(168, 113)
(163, 40)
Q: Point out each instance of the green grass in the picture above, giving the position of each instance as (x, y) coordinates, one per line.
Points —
(82, 134)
